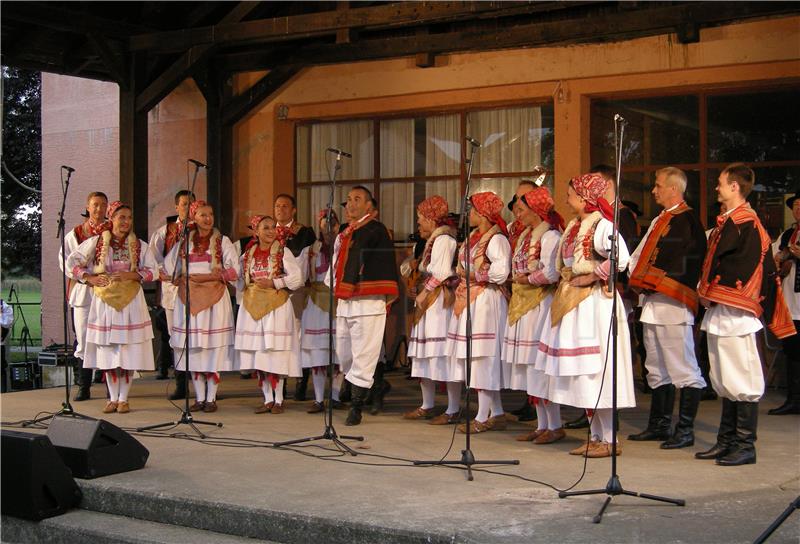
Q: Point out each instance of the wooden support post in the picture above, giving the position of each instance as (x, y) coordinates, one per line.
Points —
(133, 179)
(219, 151)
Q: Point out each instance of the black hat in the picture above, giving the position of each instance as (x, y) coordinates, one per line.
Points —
(632, 206)
(511, 204)
(790, 202)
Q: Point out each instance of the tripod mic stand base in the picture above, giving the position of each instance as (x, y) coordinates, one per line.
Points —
(467, 459)
(186, 419)
(612, 489)
(328, 434)
(66, 410)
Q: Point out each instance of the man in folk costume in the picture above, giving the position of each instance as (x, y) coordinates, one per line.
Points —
(119, 333)
(534, 277)
(433, 307)
(266, 338)
(298, 239)
(315, 320)
(787, 257)
(739, 283)
(665, 268)
(78, 292)
(161, 243)
(365, 283)
(575, 350)
(213, 263)
(490, 263)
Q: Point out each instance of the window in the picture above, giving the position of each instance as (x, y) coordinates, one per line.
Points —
(405, 160)
(701, 134)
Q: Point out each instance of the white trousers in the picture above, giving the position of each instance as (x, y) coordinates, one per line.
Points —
(358, 345)
(671, 357)
(736, 367)
(80, 317)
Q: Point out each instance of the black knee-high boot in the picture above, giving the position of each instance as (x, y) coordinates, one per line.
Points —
(743, 449)
(659, 424)
(356, 403)
(726, 433)
(85, 385)
(687, 411)
(301, 385)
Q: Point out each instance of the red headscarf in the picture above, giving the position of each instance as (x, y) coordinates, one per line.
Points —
(540, 201)
(434, 208)
(254, 222)
(324, 213)
(489, 206)
(592, 187)
(196, 205)
(114, 206)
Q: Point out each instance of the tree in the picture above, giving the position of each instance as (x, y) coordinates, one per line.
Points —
(21, 210)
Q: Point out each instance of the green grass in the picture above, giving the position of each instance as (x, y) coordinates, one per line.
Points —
(27, 290)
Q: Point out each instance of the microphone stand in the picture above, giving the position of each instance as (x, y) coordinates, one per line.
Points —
(614, 486)
(186, 415)
(467, 457)
(66, 407)
(329, 433)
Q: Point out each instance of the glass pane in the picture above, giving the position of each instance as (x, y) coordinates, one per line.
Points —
(449, 189)
(768, 196)
(442, 145)
(662, 130)
(305, 215)
(397, 209)
(354, 137)
(754, 127)
(397, 148)
(318, 196)
(512, 139)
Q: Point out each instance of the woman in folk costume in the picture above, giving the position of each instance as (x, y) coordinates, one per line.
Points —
(212, 264)
(574, 349)
(315, 324)
(119, 332)
(266, 338)
(490, 263)
(433, 308)
(534, 278)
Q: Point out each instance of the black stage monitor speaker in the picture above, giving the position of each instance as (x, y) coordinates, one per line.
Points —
(36, 482)
(94, 447)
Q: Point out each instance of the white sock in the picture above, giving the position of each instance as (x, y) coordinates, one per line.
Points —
(266, 387)
(553, 410)
(279, 391)
(211, 390)
(484, 405)
(606, 420)
(428, 393)
(125, 382)
(453, 397)
(112, 382)
(199, 382)
(336, 386)
(596, 426)
(318, 379)
(497, 404)
(541, 415)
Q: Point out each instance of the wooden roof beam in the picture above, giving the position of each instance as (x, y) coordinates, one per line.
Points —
(182, 68)
(330, 22)
(242, 104)
(68, 20)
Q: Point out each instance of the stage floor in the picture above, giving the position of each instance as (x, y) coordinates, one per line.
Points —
(308, 493)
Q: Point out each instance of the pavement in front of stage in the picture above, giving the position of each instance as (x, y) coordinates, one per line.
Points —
(308, 493)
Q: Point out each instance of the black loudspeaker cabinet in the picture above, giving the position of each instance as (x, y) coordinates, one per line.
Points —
(94, 447)
(36, 483)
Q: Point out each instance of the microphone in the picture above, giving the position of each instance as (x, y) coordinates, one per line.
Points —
(340, 152)
(198, 164)
(68, 168)
(619, 119)
(473, 142)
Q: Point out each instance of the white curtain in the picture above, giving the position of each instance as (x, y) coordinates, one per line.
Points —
(510, 139)
(303, 153)
(397, 148)
(443, 145)
(321, 193)
(398, 211)
(354, 137)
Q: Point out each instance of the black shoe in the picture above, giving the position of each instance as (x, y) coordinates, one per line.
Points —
(526, 412)
(162, 376)
(581, 422)
(177, 395)
(83, 393)
(354, 416)
(709, 394)
(98, 376)
(726, 434)
(659, 423)
(683, 436)
(787, 408)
